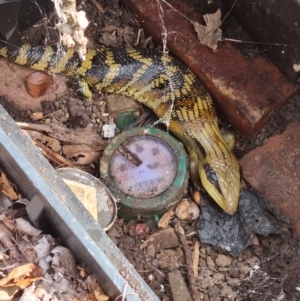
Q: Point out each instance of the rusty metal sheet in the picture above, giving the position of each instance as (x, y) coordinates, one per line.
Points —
(246, 90)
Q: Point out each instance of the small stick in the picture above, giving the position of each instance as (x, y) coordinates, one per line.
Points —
(188, 259)
(99, 6)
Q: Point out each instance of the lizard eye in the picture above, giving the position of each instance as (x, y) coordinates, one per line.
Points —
(211, 176)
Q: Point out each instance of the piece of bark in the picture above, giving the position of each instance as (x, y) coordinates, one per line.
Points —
(195, 256)
(163, 239)
(179, 289)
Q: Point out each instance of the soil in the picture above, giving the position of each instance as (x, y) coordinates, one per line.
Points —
(267, 271)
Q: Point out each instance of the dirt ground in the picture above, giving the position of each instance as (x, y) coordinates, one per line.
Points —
(268, 271)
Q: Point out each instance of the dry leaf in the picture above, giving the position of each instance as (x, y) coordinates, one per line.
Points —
(39, 83)
(164, 220)
(210, 34)
(42, 249)
(51, 142)
(28, 295)
(51, 155)
(7, 188)
(22, 276)
(80, 136)
(63, 261)
(7, 293)
(6, 239)
(26, 228)
(187, 211)
(84, 154)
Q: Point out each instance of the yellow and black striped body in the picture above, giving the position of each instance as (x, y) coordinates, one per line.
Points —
(165, 85)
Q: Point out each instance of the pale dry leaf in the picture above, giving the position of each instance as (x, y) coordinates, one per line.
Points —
(44, 295)
(6, 239)
(10, 224)
(164, 220)
(26, 228)
(7, 188)
(25, 247)
(7, 293)
(42, 249)
(210, 34)
(39, 83)
(64, 261)
(29, 296)
(22, 276)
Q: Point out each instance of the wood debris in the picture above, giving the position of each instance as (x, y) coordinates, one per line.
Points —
(188, 259)
(86, 136)
(65, 146)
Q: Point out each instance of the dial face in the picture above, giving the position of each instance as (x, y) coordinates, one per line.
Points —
(143, 167)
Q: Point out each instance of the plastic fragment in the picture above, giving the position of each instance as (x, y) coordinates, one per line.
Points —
(109, 130)
(233, 233)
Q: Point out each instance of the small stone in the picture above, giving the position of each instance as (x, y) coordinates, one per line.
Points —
(202, 251)
(228, 292)
(223, 260)
(218, 277)
(204, 284)
(234, 282)
(253, 261)
(208, 250)
(210, 262)
(244, 269)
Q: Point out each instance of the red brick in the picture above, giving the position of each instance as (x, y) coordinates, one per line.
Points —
(274, 171)
(246, 90)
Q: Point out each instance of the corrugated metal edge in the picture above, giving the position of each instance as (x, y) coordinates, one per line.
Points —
(77, 229)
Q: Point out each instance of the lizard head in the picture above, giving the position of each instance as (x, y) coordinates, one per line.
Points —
(222, 181)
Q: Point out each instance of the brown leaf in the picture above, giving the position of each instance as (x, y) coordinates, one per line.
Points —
(22, 276)
(39, 83)
(7, 188)
(164, 220)
(51, 142)
(6, 239)
(210, 34)
(84, 154)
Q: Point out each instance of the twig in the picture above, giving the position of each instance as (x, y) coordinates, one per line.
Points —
(188, 259)
(99, 6)
(51, 155)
